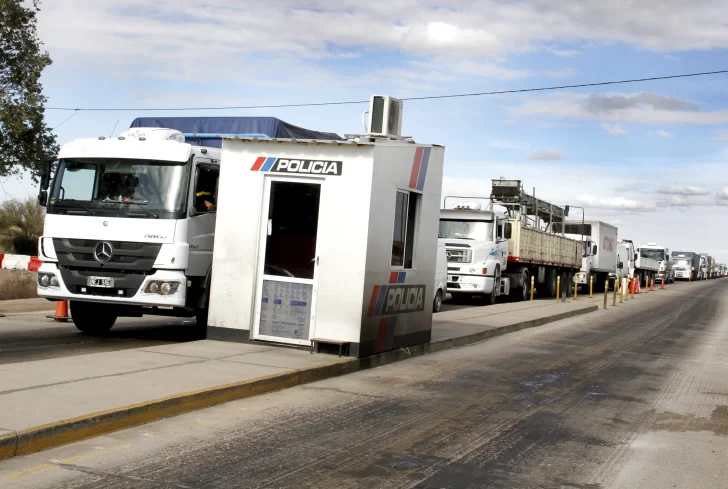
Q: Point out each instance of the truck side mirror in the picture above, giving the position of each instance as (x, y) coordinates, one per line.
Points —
(508, 230)
(635, 257)
(594, 250)
(45, 180)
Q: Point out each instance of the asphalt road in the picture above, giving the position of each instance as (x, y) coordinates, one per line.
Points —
(633, 397)
(26, 337)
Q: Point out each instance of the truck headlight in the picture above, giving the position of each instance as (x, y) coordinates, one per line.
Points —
(161, 287)
(47, 280)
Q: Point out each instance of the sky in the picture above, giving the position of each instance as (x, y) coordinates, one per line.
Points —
(650, 158)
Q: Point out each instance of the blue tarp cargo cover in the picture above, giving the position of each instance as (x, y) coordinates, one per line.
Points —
(207, 131)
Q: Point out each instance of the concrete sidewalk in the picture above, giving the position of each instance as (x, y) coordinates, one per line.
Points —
(51, 402)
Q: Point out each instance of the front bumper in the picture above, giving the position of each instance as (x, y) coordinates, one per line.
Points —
(581, 278)
(469, 284)
(140, 298)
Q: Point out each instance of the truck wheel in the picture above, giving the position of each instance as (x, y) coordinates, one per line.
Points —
(523, 291)
(568, 284)
(551, 283)
(92, 318)
(201, 318)
(489, 299)
(437, 303)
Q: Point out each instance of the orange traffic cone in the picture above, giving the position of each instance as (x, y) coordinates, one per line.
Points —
(61, 315)
(652, 284)
(662, 285)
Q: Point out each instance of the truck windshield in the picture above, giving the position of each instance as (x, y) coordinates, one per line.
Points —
(475, 230)
(682, 261)
(658, 255)
(120, 188)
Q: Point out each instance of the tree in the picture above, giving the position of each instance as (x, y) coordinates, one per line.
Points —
(21, 224)
(25, 140)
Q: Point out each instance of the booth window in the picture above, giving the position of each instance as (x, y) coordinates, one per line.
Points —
(403, 238)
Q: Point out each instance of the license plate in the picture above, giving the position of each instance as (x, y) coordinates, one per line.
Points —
(105, 282)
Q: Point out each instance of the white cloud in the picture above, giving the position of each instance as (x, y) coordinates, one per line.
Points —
(472, 67)
(723, 194)
(157, 36)
(664, 134)
(720, 135)
(682, 190)
(642, 107)
(617, 202)
(545, 155)
(679, 201)
(613, 129)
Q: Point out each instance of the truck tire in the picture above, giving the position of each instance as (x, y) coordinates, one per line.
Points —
(551, 283)
(521, 292)
(437, 302)
(91, 318)
(567, 284)
(490, 299)
(201, 317)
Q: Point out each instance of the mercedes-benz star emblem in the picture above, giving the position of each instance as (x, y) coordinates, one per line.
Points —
(103, 252)
(106, 223)
(449, 255)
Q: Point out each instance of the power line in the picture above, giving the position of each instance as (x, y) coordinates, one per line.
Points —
(66, 119)
(429, 97)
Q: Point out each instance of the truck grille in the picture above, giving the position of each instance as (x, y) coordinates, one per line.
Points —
(77, 254)
(130, 262)
(458, 256)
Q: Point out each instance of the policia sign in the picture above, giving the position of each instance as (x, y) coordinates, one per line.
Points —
(298, 166)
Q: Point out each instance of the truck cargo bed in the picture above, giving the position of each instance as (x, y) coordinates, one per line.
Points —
(529, 245)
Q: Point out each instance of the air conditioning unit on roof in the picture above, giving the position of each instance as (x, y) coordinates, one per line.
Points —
(385, 117)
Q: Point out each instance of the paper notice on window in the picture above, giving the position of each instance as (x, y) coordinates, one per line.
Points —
(285, 310)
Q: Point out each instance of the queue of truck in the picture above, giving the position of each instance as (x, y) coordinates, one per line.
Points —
(131, 223)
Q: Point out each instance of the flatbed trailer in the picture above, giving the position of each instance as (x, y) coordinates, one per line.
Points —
(534, 249)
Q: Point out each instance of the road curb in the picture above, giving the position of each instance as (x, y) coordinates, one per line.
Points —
(70, 430)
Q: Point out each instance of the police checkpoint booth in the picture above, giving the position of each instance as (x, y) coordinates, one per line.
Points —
(331, 242)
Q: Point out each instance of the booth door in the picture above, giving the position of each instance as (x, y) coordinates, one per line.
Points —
(287, 269)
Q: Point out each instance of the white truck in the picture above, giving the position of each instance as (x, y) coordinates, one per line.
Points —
(704, 259)
(630, 264)
(476, 246)
(686, 265)
(599, 251)
(511, 248)
(653, 251)
(130, 221)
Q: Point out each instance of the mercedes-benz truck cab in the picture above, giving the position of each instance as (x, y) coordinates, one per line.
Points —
(129, 227)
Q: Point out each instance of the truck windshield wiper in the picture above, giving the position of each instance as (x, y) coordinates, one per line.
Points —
(78, 203)
(140, 203)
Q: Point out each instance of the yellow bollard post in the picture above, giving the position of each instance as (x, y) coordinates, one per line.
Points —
(621, 290)
(532, 285)
(591, 286)
(558, 288)
(576, 287)
(614, 296)
(647, 284)
(606, 292)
